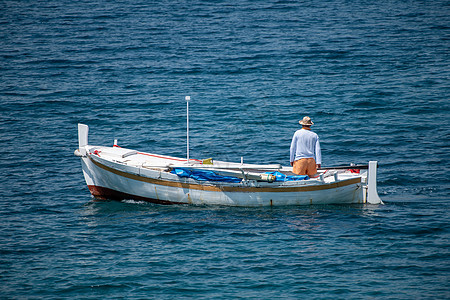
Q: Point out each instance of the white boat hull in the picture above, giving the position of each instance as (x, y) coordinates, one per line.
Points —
(106, 182)
(116, 176)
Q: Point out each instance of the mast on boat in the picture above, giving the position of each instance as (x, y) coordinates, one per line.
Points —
(188, 98)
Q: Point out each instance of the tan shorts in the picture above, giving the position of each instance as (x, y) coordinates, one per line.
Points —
(305, 166)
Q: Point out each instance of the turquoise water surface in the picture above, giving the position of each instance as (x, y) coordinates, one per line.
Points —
(373, 76)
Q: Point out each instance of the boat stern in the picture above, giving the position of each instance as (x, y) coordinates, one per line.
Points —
(371, 189)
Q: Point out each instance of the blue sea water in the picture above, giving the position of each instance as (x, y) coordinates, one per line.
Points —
(373, 75)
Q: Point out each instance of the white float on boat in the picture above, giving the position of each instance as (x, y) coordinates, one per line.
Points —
(117, 173)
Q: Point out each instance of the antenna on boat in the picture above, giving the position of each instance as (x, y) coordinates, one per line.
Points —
(188, 98)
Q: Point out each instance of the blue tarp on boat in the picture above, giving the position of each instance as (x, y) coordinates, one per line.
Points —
(282, 177)
(203, 175)
(207, 175)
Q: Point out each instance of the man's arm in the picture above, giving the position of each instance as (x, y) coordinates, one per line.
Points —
(318, 154)
(293, 149)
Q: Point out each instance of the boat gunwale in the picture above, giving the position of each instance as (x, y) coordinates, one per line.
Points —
(219, 187)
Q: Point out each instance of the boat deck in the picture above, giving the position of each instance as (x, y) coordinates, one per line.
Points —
(165, 164)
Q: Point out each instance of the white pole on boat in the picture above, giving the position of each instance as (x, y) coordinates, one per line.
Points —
(372, 194)
(82, 138)
(188, 98)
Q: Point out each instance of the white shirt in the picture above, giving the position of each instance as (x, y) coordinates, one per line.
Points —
(305, 144)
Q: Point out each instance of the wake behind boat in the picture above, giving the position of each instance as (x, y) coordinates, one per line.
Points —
(117, 173)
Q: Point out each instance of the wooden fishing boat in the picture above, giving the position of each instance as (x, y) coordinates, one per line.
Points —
(117, 173)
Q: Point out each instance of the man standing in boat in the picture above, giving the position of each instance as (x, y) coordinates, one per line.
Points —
(306, 156)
